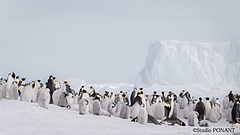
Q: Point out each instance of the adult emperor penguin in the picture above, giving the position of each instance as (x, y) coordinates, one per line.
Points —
(50, 85)
(10, 79)
(208, 107)
(92, 92)
(236, 112)
(138, 101)
(200, 108)
(231, 97)
(39, 84)
(133, 95)
(57, 84)
(67, 87)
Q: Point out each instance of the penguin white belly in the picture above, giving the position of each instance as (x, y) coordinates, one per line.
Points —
(187, 109)
(225, 102)
(142, 116)
(208, 108)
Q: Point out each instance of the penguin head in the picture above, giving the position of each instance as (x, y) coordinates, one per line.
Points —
(54, 78)
(200, 99)
(207, 98)
(155, 92)
(39, 81)
(23, 79)
(82, 86)
(17, 77)
(50, 77)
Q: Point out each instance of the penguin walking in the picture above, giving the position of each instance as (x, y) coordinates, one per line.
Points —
(200, 108)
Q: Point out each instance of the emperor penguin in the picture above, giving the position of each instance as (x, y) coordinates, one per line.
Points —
(13, 92)
(67, 87)
(97, 110)
(105, 102)
(62, 102)
(157, 108)
(231, 97)
(92, 92)
(184, 101)
(229, 112)
(125, 111)
(17, 79)
(236, 112)
(3, 85)
(57, 84)
(84, 94)
(200, 108)
(84, 106)
(80, 91)
(187, 109)
(213, 114)
(143, 115)
(133, 95)
(10, 79)
(39, 84)
(21, 84)
(136, 106)
(44, 98)
(193, 119)
(208, 107)
(27, 94)
(225, 102)
(56, 95)
(50, 85)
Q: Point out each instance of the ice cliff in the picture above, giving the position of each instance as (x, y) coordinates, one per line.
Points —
(190, 63)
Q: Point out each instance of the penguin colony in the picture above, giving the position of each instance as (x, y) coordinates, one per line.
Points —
(138, 107)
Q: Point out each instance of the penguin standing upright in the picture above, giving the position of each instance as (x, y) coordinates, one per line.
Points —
(143, 115)
(10, 79)
(133, 95)
(200, 108)
(44, 98)
(56, 83)
(225, 102)
(231, 97)
(50, 85)
(13, 93)
(21, 84)
(208, 107)
(236, 111)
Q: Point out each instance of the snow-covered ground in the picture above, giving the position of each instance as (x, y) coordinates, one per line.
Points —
(19, 118)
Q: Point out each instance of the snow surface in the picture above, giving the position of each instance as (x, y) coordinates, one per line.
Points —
(18, 117)
(191, 63)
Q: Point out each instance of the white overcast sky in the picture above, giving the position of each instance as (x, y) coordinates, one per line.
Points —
(103, 41)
